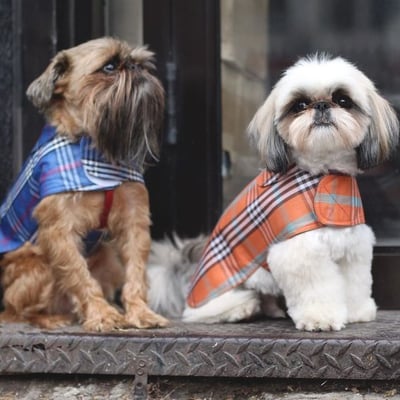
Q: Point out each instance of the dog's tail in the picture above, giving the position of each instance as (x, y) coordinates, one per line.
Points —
(171, 265)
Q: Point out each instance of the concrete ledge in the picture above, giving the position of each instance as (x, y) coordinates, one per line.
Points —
(272, 349)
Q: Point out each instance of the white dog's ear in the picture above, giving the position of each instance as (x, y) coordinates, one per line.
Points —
(263, 133)
(382, 137)
(41, 90)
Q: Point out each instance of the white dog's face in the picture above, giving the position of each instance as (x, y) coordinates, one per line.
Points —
(324, 114)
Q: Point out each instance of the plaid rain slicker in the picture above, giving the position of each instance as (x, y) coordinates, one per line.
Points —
(272, 208)
(55, 165)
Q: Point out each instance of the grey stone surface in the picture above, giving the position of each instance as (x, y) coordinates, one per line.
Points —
(121, 388)
(260, 349)
(258, 360)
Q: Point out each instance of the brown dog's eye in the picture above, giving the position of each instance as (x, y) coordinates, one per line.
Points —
(110, 67)
(342, 100)
(299, 105)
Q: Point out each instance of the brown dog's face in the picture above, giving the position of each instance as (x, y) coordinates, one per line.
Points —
(105, 89)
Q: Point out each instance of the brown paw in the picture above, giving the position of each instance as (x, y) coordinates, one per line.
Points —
(51, 321)
(42, 321)
(103, 319)
(9, 317)
(145, 318)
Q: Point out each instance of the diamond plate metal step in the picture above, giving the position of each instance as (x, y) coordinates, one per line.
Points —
(272, 349)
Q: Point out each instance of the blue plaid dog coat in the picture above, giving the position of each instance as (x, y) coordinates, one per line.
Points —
(55, 165)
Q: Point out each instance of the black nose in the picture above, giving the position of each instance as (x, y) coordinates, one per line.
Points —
(133, 66)
(321, 106)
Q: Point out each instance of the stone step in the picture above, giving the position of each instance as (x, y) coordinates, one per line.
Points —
(261, 349)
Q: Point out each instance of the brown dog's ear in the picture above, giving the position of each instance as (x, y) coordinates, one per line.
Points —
(40, 91)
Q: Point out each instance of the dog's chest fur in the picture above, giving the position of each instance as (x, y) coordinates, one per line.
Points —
(56, 165)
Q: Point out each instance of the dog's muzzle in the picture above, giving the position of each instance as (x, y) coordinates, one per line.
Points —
(322, 114)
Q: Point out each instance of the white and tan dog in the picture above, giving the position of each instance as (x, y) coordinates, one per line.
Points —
(324, 120)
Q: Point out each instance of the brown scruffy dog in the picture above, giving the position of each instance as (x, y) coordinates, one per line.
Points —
(104, 109)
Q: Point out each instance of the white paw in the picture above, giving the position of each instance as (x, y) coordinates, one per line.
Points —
(319, 317)
(362, 313)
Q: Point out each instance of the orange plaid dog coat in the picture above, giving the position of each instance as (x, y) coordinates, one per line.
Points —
(272, 208)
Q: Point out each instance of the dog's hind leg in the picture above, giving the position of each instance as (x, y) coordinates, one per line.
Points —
(29, 292)
(232, 306)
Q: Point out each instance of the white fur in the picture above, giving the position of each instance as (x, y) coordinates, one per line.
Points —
(318, 74)
(263, 282)
(241, 303)
(232, 306)
(169, 275)
(324, 274)
(326, 277)
(365, 134)
(171, 264)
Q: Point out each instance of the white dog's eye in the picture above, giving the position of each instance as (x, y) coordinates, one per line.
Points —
(300, 105)
(342, 100)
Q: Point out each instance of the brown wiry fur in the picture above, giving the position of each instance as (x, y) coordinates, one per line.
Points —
(50, 283)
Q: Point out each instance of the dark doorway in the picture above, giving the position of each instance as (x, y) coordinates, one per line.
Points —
(185, 187)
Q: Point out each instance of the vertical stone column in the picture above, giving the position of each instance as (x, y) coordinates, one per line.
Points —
(244, 49)
(125, 20)
(6, 95)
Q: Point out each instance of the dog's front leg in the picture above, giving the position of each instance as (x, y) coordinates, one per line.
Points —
(129, 224)
(356, 269)
(311, 281)
(63, 220)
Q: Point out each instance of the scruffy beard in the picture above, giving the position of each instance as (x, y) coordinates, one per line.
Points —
(344, 131)
(125, 117)
(321, 147)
